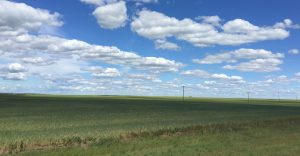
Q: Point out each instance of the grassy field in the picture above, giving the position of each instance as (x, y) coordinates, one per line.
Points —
(104, 124)
(271, 140)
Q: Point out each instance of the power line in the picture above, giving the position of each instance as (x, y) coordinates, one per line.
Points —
(278, 94)
(183, 93)
(248, 93)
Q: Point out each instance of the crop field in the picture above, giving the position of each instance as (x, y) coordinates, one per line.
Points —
(128, 125)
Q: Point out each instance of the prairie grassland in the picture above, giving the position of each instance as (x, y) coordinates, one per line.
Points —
(272, 139)
(34, 122)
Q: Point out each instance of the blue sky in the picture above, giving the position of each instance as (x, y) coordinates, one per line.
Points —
(151, 47)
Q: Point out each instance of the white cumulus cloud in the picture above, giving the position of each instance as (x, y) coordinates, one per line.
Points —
(204, 74)
(58, 55)
(257, 65)
(294, 51)
(13, 71)
(257, 60)
(196, 73)
(208, 32)
(103, 72)
(213, 20)
(16, 18)
(236, 55)
(111, 16)
(163, 44)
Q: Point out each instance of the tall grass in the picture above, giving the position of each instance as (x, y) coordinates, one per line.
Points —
(20, 146)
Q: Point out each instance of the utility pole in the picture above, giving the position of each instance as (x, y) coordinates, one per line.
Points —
(278, 96)
(296, 96)
(183, 93)
(248, 93)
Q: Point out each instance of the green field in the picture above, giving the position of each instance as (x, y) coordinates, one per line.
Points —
(119, 125)
(279, 140)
